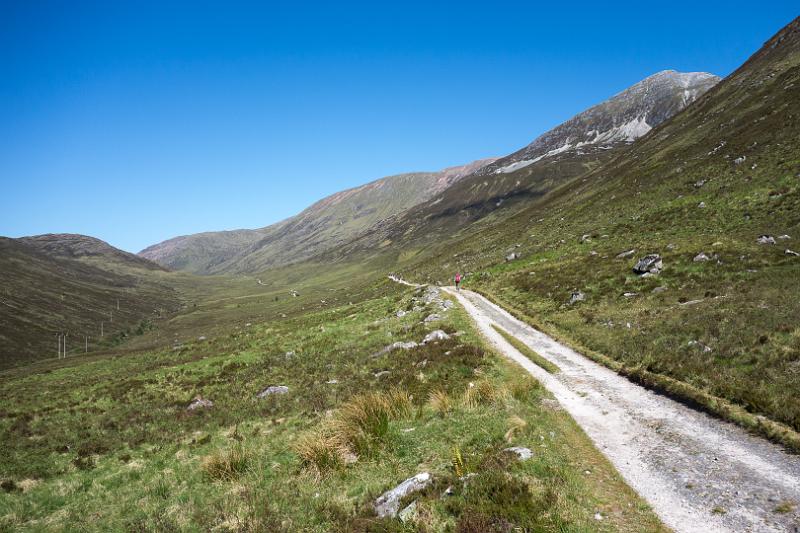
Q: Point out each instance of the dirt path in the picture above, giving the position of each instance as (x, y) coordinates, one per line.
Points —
(698, 473)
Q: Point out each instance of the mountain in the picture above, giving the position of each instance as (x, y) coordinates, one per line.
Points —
(623, 118)
(327, 223)
(574, 148)
(715, 192)
(69, 284)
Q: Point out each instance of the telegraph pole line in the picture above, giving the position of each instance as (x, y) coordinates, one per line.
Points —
(101, 328)
(58, 336)
(86, 344)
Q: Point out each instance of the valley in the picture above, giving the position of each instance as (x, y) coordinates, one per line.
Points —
(624, 354)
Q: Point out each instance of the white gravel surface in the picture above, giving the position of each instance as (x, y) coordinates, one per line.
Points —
(697, 472)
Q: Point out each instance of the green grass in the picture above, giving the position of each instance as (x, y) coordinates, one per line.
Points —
(525, 350)
(105, 443)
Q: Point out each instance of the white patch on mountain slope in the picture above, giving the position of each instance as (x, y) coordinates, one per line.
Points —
(627, 132)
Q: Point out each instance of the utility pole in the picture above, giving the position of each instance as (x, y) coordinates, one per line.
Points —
(117, 304)
(86, 344)
(101, 328)
(58, 336)
(65, 345)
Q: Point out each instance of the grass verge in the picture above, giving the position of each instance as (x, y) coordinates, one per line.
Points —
(525, 350)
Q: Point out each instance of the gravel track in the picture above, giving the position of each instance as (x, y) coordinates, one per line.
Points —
(697, 472)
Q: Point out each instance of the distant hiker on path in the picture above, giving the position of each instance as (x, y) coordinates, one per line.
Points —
(458, 281)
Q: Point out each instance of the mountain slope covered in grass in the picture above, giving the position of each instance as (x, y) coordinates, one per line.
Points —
(329, 222)
(715, 192)
(574, 148)
(67, 285)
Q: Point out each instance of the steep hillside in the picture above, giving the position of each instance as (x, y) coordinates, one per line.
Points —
(700, 191)
(67, 285)
(324, 225)
(572, 149)
(201, 252)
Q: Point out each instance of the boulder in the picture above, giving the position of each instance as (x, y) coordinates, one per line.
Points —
(273, 389)
(523, 454)
(396, 346)
(512, 256)
(432, 318)
(625, 255)
(765, 239)
(783, 237)
(701, 257)
(199, 403)
(576, 296)
(650, 263)
(388, 503)
(436, 335)
(791, 252)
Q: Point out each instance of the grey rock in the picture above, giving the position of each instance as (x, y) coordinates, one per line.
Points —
(381, 374)
(436, 335)
(625, 255)
(701, 257)
(576, 296)
(783, 237)
(586, 237)
(523, 454)
(512, 256)
(199, 403)
(791, 252)
(630, 294)
(740, 160)
(447, 304)
(388, 503)
(432, 318)
(765, 239)
(649, 263)
(201, 338)
(701, 205)
(409, 513)
(659, 289)
(395, 346)
(699, 183)
(400, 314)
(273, 389)
(701, 346)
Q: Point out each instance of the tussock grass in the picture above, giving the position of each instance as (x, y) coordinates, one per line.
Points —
(515, 425)
(525, 350)
(440, 402)
(360, 425)
(226, 465)
(483, 392)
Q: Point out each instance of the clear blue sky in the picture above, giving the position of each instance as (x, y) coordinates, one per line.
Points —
(135, 122)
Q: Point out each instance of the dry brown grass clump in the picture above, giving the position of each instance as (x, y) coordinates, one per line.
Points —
(226, 465)
(483, 392)
(440, 402)
(355, 429)
(516, 424)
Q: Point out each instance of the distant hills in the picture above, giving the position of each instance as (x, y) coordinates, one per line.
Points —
(67, 284)
(383, 209)
(324, 225)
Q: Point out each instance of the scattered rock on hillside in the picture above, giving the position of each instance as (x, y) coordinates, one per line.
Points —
(586, 237)
(389, 502)
(199, 403)
(512, 256)
(791, 252)
(436, 335)
(523, 454)
(699, 183)
(625, 255)
(784, 237)
(432, 318)
(701, 205)
(576, 296)
(400, 314)
(447, 304)
(740, 160)
(701, 257)
(273, 389)
(765, 239)
(659, 289)
(701, 346)
(630, 294)
(381, 374)
(409, 513)
(650, 263)
(395, 346)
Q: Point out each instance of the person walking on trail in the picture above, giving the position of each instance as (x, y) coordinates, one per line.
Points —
(458, 281)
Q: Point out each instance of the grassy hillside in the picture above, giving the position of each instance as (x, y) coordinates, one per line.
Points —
(61, 284)
(322, 226)
(112, 445)
(712, 180)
